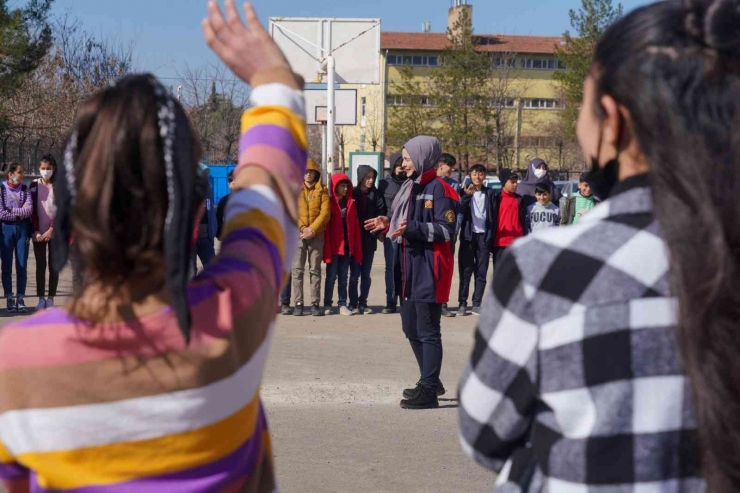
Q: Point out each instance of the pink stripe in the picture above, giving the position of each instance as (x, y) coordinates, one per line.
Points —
(274, 161)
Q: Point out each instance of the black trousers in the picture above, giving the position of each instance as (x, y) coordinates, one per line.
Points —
(40, 250)
(473, 260)
(497, 253)
(422, 327)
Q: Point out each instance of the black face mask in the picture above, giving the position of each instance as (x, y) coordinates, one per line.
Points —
(401, 176)
(603, 179)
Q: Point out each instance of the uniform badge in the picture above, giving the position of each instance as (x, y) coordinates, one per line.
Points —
(450, 216)
(429, 204)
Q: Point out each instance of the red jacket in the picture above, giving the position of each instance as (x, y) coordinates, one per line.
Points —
(334, 234)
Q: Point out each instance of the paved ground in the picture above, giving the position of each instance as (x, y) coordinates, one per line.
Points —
(331, 390)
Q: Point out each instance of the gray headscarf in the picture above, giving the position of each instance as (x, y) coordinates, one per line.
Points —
(425, 153)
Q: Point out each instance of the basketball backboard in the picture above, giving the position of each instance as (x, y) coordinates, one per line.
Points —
(345, 103)
(354, 43)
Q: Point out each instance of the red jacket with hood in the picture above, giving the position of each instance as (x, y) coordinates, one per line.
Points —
(334, 234)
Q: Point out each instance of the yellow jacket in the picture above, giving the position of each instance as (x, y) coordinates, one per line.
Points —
(313, 204)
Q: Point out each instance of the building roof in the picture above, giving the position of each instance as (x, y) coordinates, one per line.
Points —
(488, 42)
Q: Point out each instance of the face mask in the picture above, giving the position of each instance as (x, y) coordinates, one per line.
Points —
(14, 180)
(540, 173)
(603, 179)
(46, 174)
(401, 175)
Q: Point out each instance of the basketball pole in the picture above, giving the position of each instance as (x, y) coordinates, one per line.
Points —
(331, 118)
(323, 157)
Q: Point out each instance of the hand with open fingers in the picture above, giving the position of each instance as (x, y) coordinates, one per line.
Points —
(400, 231)
(246, 49)
(377, 224)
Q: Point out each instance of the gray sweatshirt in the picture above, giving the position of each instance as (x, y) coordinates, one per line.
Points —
(541, 217)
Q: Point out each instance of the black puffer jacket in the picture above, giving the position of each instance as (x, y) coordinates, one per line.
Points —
(391, 185)
(370, 204)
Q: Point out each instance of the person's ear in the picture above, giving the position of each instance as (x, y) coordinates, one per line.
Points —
(614, 122)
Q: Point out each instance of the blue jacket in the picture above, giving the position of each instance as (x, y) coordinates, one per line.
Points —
(210, 211)
(424, 262)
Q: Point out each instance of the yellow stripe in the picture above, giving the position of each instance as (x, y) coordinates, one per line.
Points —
(276, 115)
(121, 462)
(5, 456)
(257, 218)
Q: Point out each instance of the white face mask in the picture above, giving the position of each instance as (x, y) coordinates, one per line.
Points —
(539, 173)
(46, 174)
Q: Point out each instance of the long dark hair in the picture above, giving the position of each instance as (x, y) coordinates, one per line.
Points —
(122, 198)
(675, 67)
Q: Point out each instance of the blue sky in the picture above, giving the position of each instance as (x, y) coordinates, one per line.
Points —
(167, 32)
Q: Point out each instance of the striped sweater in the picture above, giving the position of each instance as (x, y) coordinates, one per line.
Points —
(129, 407)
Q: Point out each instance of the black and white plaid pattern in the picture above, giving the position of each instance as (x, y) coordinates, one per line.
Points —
(575, 382)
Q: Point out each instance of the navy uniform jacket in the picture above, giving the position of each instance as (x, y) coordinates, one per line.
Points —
(424, 263)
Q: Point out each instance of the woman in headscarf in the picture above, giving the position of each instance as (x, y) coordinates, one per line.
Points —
(422, 223)
(539, 172)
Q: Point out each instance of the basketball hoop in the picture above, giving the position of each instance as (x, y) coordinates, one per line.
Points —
(322, 115)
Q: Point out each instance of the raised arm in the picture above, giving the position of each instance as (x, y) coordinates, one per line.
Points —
(259, 233)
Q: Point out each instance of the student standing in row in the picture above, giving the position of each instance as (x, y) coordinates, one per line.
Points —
(313, 216)
(580, 204)
(445, 169)
(42, 193)
(221, 208)
(16, 208)
(370, 204)
(543, 213)
(478, 209)
(510, 216)
(342, 243)
(390, 187)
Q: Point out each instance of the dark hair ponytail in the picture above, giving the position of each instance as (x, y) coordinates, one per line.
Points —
(675, 67)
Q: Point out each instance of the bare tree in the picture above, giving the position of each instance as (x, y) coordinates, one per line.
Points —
(373, 121)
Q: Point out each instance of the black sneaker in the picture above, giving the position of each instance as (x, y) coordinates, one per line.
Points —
(476, 310)
(446, 312)
(410, 393)
(328, 310)
(21, 306)
(388, 310)
(365, 310)
(285, 310)
(12, 307)
(422, 400)
(462, 310)
(298, 312)
(356, 311)
(316, 310)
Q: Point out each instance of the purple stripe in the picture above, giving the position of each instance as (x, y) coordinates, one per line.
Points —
(210, 477)
(250, 233)
(13, 471)
(47, 317)
(223, 265)
(277, 137)
(199, 293)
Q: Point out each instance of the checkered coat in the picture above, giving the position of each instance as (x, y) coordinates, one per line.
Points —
(575, 383)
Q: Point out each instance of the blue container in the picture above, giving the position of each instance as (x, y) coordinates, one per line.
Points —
(219, 180)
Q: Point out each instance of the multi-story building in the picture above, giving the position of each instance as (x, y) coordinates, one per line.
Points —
(526, 62)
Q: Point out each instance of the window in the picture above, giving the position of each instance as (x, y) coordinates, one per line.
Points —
(363, 102)
(539, 64)
(540, 103)
(562, 66)
(415, 60)
(505, 62)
